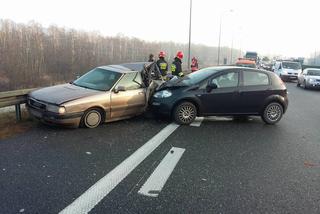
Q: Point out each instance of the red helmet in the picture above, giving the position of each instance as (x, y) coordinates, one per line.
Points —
(180, 54)
(162, 54)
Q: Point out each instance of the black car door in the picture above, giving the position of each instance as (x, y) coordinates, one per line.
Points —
(223, 99)
(255, 87)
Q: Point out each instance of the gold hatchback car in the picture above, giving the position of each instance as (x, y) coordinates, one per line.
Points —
(104, 94)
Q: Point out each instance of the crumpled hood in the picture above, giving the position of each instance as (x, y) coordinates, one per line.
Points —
(62, 93)
(173, 83)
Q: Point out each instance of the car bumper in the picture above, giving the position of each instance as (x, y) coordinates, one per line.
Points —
(68, 120)
(161, 108)
(289, 77)
(313, 85)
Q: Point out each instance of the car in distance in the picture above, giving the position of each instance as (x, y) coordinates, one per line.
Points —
(223, 91)
(104, 94)
(252, 55)
(287, 70)
(309, 78)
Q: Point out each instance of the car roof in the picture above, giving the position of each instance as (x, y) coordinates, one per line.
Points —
(126, 67)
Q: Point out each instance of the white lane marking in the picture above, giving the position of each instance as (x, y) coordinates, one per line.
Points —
(90, 198)
(153, 186)
(214, 118)
(197, 122)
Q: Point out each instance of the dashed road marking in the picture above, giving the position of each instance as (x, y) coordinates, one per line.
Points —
(197, 122)
(215, 118)
(153, 186)
(90, 198)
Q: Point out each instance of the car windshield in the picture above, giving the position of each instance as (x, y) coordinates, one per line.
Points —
(314, 72)
(98, 79)
(291, 65)
(198, 76)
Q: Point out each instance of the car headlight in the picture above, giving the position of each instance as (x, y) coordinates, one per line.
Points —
(163, 94)
(56, 109)
(311, 80)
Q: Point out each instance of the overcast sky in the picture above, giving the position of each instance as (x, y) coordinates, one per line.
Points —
(289, 28)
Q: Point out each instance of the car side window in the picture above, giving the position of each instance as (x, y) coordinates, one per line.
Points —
(230, 79)
(251, 78)
(131, 81)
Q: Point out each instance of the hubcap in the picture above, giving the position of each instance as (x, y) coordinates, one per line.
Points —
(186, 114)
(273, 112)
(93, 118)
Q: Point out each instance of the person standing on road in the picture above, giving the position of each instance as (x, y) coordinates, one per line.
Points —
(176, 68)
(151, 58)
(162, 64)
(194, 64)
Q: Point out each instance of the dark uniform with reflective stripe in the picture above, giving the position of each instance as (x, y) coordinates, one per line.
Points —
(163, 66)
(176, 68)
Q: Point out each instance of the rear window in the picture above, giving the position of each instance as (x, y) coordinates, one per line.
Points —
(251, 78)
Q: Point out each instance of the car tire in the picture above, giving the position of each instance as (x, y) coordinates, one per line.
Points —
(185, 113)
(272, 113)
(298, 84)
(92, 118)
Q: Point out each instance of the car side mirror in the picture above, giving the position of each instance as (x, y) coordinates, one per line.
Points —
(211, 86)
(119, 88)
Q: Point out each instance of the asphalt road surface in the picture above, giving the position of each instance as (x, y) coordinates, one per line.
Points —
(224, 166)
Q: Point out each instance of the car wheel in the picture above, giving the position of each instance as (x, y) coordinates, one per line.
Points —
(272, 113)
(91, 118)
(185, 113)
(298, 84)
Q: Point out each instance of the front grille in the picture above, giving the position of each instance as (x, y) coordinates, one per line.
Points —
(37, 104)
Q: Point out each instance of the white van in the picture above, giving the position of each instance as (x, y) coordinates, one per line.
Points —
(287, 70)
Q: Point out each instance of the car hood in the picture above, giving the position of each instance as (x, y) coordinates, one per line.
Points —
(62, 93)
(292, 70)
(172, 84)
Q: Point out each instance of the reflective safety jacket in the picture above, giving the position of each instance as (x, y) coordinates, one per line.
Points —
(163, 66)
(176, 68)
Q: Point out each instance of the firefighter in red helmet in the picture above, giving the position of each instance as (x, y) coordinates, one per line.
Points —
(176, 68)
(162, 64)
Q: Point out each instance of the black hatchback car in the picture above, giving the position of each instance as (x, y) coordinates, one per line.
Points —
(223, 91)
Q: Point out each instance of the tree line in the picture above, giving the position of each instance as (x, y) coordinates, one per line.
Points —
(34, 56)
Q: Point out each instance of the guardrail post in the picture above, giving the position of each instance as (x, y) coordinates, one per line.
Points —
(18, 112)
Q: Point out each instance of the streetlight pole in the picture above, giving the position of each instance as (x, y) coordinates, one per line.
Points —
(189, 48)
(219, 40)
(231, 49)
(219, 45)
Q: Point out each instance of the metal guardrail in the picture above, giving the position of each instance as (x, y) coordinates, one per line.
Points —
(14, 98)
